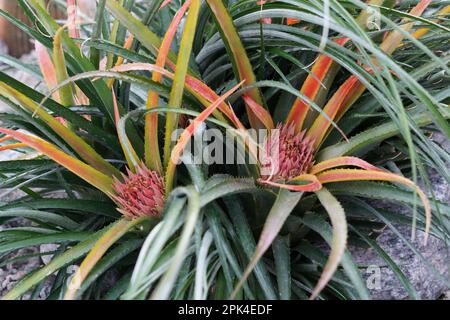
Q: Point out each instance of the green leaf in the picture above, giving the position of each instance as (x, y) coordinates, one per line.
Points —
(148, 39)
(238, 55)
(59, 237)
(182, 66)
(244, 237)
(165, 285)
(323, 228)
(57, 263)
(339, 239)
(281, 254)
(281, 209)
(113, 234)
(43, 216)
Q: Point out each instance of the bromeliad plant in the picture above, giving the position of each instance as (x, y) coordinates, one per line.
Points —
(118, 89)
(297, 144)
(140, 193)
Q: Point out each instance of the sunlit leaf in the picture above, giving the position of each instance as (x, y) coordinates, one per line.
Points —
(338, 242)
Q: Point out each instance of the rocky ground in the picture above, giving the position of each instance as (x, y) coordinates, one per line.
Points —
(387, 287)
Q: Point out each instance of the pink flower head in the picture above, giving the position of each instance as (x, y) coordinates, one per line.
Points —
(290, 154)
(140, 194)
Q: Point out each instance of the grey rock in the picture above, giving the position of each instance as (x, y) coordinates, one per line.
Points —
(383, 283)
(11, 273)
(48, 247)
(435, 254)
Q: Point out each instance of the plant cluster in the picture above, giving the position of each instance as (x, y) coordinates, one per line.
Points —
(350, 94)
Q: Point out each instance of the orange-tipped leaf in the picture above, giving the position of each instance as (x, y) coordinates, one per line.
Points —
(84, 171)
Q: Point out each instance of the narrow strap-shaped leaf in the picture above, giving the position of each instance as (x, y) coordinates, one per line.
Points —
(114, 233)
(206, 95)
(12, 146)
(342, 99)
(148, 39)
(340, 162)
(259, 111)
(121, 59)
(86, 152)
(165, 285)
(72, 13)
(187, 134)
(75, 57)
(241, 62)
(281, 209)
(419, 33)
(322, 73)
(281, 253)
(127, 147)
(312, 185)
(395, 37)
(337, 175)
(338, 242)
(56, 263)
(152, 154)
(66, 92)
(176, 94)
(84, 171)
(47, 68)
(194, 86)
(352, 88)
(373, 135)
(94, 53)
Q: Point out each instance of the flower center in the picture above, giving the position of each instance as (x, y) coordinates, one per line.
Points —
(140, 194)
(288, 154)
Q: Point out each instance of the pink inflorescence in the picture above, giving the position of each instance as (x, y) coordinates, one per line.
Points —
(140, 194)
(293, 156)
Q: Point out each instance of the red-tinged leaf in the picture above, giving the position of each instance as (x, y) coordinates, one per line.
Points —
(84, 171)
(352, 89)
(259, 111)
(237, 53)
(313, 183)
(152, 154)
(72, 12)
(66, 92)
(120, 59)
(47, 68)
(341, 100)
(395, 38)
(207, 96)
(423, 31)
(338, 242)
(12, 146)
(5, 138)
(114, 233)
(340, 162)
(83, 149)
(323, 70)
(127, 147)
(339, 175)
(194, 86)
(317, 84)
(72, 25)
(179, 79)
(165, 3)
(177, 151)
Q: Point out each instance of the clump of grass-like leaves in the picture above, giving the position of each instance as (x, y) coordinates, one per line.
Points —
(356, 104)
